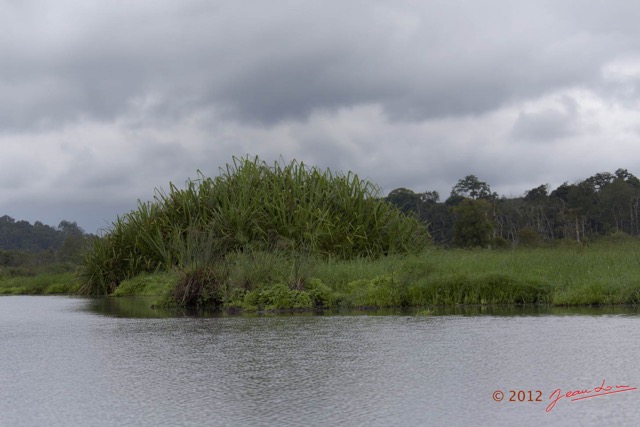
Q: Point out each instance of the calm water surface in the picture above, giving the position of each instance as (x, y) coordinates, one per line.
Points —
(79, 362)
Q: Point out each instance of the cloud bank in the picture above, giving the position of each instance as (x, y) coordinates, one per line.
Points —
(102, 102)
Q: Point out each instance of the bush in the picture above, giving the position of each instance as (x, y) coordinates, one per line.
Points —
(200, 288)
(148, 284)
(277, 297)
(321, 295)
(379, 292)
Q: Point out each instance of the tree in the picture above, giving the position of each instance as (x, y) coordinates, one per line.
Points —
(406, 200)
(430, 197)
(615, 207)
(439, 219)
(537, 195)
(473, 226)
(413, 203)
(628, 177)
(74, 240)
(601, 180)
(471, 187)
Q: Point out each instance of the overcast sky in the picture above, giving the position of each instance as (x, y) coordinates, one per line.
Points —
(101, 101)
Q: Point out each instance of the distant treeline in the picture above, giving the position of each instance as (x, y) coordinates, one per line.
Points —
(473, 215)
(23, 243)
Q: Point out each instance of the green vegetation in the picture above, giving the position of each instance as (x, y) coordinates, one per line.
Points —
(46, 243)
(598, 206)
(289, 237)
(40, 284)
(250, 207)
(474, 227)
(600, 273)
(39, 259)
(147, 284)
(569, 273)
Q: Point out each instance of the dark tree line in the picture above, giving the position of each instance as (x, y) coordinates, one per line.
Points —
(22, 242)
(475, 216)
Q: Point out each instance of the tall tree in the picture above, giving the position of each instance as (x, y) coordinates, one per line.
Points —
(472, 188)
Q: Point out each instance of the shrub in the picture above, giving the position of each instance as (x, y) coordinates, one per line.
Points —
(277, 297)
(200, 288)
(382, 291)
(148, 284)
(321, 295)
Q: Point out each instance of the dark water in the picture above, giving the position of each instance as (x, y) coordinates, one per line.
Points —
(78, 362)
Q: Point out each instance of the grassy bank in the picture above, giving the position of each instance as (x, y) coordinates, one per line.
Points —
(598, 274)
(40, 284)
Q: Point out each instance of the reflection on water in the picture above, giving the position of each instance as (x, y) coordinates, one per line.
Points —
(533, 310)
(137, 307)
(144, 307)
(64, 362)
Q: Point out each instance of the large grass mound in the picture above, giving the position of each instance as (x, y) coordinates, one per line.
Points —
(251, 206)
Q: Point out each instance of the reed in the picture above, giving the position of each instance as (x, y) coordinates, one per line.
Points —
(251, 206)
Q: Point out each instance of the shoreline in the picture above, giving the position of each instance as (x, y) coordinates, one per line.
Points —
(600, 274)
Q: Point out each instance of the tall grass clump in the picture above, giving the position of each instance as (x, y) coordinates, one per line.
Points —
(250, 206)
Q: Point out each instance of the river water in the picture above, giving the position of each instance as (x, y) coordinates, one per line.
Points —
(81, 362)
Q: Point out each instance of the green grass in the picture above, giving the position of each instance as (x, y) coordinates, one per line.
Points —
(599, 273)
(40, 284)
(567, 275)
(148, 284)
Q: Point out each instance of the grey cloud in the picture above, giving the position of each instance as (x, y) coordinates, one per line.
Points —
(268, 63)
(467, 63)
(150, 92)
(95, 175)
(19, 171)
(547, 125)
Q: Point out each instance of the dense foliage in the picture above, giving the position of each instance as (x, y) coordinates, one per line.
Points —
(24, 236)
(251, 206)
(600, 205)
(272, 237)
(599, 273)
(39, 259)
(27, 249)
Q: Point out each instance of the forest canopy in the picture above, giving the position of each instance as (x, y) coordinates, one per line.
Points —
(473, 215)
(24, 236)
(23, 244)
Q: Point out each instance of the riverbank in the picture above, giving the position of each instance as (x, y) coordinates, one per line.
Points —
(601, 273)
(52, 283)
